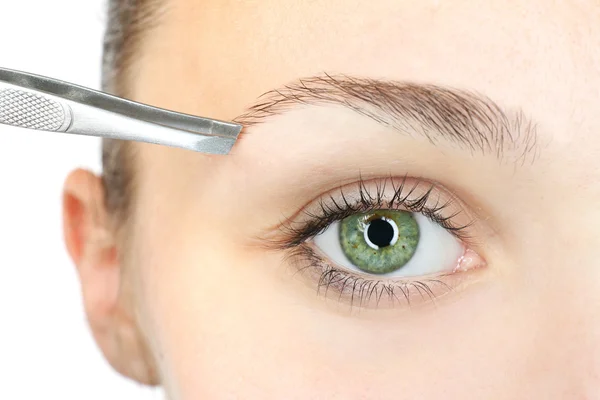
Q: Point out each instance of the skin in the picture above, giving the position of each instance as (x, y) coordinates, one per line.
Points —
(185, 296)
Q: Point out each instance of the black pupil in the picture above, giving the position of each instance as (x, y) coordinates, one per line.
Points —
(380, 232)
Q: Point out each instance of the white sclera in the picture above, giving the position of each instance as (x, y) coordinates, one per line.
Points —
(437, 251)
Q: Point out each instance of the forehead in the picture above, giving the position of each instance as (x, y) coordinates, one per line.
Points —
(214, 58)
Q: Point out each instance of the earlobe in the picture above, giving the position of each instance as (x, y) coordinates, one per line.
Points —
(92, 244)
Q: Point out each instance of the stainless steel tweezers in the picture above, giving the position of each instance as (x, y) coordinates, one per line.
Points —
(41, 103)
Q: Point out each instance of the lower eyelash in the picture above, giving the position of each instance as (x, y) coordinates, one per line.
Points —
(361, 291)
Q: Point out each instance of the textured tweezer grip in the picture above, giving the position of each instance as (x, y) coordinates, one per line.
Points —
(29, 110)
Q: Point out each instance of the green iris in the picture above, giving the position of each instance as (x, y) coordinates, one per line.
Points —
(381, 241)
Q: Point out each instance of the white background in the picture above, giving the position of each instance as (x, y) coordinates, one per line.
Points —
(46, 348)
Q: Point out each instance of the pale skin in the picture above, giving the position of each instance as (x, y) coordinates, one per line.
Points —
(192, 300)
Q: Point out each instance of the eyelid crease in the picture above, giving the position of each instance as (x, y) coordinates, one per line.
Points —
(469, 120)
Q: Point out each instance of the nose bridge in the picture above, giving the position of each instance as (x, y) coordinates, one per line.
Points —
(571, 336)
(568, 246)
(564, 283)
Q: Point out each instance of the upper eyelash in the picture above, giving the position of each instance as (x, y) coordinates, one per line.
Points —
(334, 211)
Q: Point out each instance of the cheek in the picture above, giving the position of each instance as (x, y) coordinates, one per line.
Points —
(222, 322)
(226, 320)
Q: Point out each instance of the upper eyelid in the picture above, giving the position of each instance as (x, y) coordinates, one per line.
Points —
(407, 190)
(472, 121)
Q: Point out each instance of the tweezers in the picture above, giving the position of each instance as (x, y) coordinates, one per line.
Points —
(40, 103)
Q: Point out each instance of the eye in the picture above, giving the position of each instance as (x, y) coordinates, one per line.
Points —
(390, 243)
(378, 242)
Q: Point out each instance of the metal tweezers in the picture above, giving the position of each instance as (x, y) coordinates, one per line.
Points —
(41, 103)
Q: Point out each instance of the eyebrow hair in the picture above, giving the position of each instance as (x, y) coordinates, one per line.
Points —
(472, 121)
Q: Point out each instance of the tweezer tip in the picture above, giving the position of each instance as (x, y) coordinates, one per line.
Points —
(226, 129)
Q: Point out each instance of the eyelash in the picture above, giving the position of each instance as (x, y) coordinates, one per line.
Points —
(353, 286)
(359, 290)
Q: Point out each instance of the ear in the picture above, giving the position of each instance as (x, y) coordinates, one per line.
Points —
(93, 246)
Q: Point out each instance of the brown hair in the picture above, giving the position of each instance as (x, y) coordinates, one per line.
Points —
(128, 20)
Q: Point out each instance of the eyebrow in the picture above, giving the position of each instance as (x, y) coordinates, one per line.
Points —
(469, 120)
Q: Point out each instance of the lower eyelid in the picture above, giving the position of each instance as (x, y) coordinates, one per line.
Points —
(364, 291)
